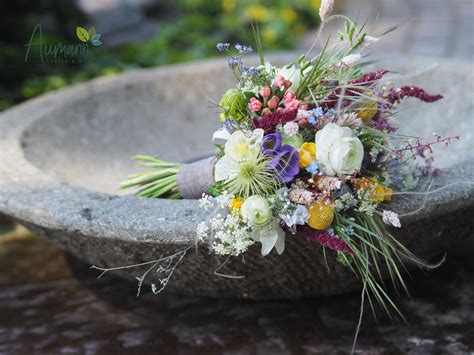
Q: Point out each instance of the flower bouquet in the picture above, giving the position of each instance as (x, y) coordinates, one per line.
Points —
(309, 150)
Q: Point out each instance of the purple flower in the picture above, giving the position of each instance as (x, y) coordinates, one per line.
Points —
(243, 49)
(222, 47)
(284, 158)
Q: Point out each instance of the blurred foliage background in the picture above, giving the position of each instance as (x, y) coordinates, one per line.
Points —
(185, 30)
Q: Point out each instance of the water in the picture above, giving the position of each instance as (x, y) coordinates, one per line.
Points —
(52, 304)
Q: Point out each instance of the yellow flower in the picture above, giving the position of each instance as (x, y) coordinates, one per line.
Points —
(316, 4)
(377, 192)
(236, 205)
(368, 110)
(269, 35)
(289, 15)
(257, 13)
(228, 5)
(321, 215)
(307, 153)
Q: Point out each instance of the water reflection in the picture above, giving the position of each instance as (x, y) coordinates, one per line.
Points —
(52, 303)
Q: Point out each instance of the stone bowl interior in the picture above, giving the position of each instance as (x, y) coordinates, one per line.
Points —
(64, 155)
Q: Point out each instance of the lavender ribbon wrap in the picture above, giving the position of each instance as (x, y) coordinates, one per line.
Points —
(195, 179)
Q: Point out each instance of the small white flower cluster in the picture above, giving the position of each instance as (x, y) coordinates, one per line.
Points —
(205, 202)
(232, 236)
(391, 218)
(346, 202)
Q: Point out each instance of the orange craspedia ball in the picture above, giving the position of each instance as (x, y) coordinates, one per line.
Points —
(321, 215)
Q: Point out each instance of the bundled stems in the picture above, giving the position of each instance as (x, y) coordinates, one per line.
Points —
(159, 181)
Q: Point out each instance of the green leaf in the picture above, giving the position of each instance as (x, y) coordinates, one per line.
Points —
(92, 32)
(82, 34)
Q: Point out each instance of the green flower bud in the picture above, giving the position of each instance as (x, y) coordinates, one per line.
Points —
(233, 105)
(295, 141)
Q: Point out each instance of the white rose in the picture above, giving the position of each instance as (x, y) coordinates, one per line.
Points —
(256, 211)
(338, 151)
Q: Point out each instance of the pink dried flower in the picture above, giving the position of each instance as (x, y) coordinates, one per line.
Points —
(370, 79)
(292, 105)
(326, 239)
(301, 196)
(279, 80)
(273, 102)
(254, 104)
(291, 128)
(395, 96)
(417, 146)
(265, 92)
(329, 183)
(302, 114)
(383, 124)
(289, 96)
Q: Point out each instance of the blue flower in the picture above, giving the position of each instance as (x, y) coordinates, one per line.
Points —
(315, 115)
(229, 125)
(331, 112)
(318, 112)
(243, 49)
(253, 71)
(233, 62)
(312, 168)
(221, 47)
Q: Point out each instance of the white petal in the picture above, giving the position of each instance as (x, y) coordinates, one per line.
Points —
(221, 136)
(280, 244)
(225, 168)
(268, 241)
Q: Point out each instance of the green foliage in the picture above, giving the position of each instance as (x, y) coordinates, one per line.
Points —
(196, 27)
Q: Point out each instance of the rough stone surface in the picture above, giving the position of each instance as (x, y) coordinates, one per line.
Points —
(50, 304)
(63, 154)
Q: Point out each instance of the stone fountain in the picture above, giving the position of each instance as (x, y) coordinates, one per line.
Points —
(62, 156)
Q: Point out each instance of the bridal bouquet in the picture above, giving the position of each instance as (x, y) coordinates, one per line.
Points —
(308, 150)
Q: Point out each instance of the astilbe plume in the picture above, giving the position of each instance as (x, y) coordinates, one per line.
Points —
(269, 121)
(370, 79)
(396, 95)
(326, 239)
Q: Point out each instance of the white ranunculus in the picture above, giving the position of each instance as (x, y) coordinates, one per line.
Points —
(256, 211)
(240, 147)
(337, 151)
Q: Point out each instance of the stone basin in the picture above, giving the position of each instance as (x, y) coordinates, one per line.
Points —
(62, 156)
